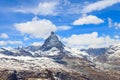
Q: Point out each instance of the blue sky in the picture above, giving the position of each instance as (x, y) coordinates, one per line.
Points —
(79, 23)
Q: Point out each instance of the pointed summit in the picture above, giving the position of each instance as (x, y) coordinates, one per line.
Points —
(52, 41)
(52, 33)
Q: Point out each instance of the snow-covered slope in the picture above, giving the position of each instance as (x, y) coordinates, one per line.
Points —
(27, 63)
(54, 55)
(113, 52)
(49, 55)
(110, 59)
(74, 52)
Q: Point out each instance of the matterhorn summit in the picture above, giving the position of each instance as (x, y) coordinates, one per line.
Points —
(52, 41)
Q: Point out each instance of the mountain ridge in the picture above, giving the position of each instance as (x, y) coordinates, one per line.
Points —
(52, 47)
(56, 57)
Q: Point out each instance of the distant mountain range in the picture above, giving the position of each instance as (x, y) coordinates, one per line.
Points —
(89, 64)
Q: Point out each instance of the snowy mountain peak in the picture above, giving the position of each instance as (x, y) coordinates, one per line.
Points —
(52, 47)
(52, 41)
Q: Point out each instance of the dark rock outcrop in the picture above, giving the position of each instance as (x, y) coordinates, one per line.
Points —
(52, 41)
(13, 76)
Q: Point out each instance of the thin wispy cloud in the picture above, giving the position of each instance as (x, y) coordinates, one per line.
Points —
(99, 5)
(4, 36)
(26, 38)
(37, 43)
(56, 7)
(43, 8)
(112, 24)
(61, 28)
(10, 42)
(117, 25)
(51, 8)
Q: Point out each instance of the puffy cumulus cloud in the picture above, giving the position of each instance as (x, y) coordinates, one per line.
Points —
(4, 36)
(99, 5)
(88, 40)
(37, 28)
(60, 28)
(43, 8)
(37, 43)
(4, 43)
(90, 19)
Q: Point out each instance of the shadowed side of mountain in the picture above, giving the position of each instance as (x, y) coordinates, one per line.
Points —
(52, 41)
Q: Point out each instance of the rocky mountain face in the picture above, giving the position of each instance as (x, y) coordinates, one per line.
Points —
(106, 58)
(52, 41)
(54, 61)
(52, 47)
(43, 75)
(95, 51)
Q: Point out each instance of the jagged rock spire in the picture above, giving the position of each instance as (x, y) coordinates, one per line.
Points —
(52, 41)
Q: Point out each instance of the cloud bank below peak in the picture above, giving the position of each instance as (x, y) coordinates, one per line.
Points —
(91, 40)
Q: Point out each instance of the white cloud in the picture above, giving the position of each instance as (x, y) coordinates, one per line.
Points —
(90, 19)
(39, 28)
(43, 8)
(51, 7)
(110, 24)
(4, 36)
(55, 7)
(36, 28)
(66, 2)
(14, 42)
(59, 28)
(4, 43)
(113, 24)
(26, 38)
(99, 5)
(117, 25)
(88, 40)
(116, 36)
(37, 43)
